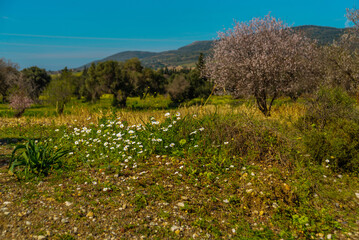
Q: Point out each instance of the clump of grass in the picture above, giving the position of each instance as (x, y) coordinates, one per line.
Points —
(35, 158)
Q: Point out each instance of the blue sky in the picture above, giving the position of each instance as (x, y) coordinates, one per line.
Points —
(58, 33)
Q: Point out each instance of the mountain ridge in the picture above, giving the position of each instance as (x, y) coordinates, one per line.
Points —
(188, 55)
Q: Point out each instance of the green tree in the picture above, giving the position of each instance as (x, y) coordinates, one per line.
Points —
(133, 65)
(60, 90)
(8, 71)
(117, 79)
(92, 88)
(38, 79)
(150, 82)
(179, 88)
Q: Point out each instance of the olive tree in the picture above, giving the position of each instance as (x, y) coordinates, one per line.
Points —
(38, 78)
(8, 72)
(263, 58)
(60, 90)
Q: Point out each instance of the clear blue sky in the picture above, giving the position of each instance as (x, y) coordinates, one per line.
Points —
(53, 34)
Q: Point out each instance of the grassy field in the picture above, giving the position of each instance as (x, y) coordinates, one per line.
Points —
(150, 171)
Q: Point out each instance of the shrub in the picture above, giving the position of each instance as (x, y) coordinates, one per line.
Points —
(36, 158)
(178, 89)
(336, 146)
(329, 105)
(253, 140)
(331, 130)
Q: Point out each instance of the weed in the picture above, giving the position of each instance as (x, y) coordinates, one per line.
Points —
(35, 158)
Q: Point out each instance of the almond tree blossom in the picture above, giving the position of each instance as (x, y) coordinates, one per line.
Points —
(263, 58)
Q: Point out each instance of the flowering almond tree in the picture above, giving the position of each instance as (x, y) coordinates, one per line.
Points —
(263, 58)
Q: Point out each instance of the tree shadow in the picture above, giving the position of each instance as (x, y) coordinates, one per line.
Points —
(6, 141)
(5, 156)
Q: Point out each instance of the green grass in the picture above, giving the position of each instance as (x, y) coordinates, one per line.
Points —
(221, 171)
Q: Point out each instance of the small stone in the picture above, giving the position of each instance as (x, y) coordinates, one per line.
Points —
(65, 220)
(174, 228)
(357, 195)
(226, 201)
(329, 236)
(28, 223)
(321, 235)
(89, 214)
(249, 190)
(184, 198)
(6, 213)
(6, 203)
(75, 229)
(68, 204)
(180, 204)
(40, 237)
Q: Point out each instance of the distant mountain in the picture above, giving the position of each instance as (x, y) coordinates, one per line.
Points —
(184, 56)
(123, 56)
(188, 55)
(324, 35)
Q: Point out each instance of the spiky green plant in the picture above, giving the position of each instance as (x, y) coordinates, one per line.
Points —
(36, 158)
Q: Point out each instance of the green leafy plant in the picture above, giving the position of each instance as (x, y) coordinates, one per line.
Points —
(36, 158)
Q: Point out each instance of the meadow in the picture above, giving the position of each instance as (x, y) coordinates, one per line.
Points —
(216, 169)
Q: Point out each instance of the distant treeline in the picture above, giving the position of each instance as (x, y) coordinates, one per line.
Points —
(120, 79)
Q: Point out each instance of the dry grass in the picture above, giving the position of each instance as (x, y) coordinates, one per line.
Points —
(284, 113)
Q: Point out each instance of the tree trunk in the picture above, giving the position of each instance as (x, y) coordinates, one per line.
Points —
(114, 99)
(121, 99)
(19, 113)
(60, 108)
(261, 99)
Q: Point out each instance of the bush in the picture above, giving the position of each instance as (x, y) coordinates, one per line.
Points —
(328, 105)
(253, 140)
(336, 146)
(331, 130)
(178, 89)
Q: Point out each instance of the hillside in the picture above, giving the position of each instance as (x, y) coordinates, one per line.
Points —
(324, 35)
(188, 55)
